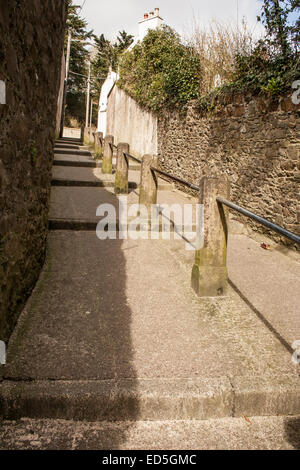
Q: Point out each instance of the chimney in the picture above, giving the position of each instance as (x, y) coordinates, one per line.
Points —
(151, 14)
(156, 12)
(146, 16)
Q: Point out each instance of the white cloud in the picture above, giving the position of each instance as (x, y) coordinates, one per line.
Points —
(109, 17)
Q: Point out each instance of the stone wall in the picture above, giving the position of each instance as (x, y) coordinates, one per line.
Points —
(31, 47)
(131, 124)
(255, 141)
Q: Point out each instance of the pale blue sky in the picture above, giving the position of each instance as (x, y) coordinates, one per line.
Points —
(110, 16)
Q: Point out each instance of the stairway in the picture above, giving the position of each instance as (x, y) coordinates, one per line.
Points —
(114, 334)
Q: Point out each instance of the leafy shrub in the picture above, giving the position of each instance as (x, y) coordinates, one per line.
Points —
(161, 72)
(262, 72)
(256, 73)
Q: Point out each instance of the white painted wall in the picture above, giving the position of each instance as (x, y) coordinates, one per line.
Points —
(112, 77)
(152, 21)
(129, 123)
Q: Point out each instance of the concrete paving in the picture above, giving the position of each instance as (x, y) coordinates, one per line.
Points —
(267, 280)
(111, 287)
(89, 175)
(71, 133)
(259, 433)
(113, 331)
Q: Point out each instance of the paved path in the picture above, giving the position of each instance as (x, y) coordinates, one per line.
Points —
(260, 433)
(114, 331)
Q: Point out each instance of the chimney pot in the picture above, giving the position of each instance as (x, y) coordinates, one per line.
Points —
(151, 14)
(156, 11)
(146, 16)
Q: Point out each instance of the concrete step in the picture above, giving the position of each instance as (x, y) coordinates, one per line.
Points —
(73, 224)
(69, 142)
(145, 399)
(89, 183)
(89, 164)
(67, 147)
(81, 203)
(90, 225)
(104, 317)
(69, 139)
(74, 176)
(73, 158)
(59, 151)
(80, 164)
(257, 433)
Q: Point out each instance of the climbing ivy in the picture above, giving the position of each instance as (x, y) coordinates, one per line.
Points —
(161, 72)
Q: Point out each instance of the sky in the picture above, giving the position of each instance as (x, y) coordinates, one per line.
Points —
(109, 17)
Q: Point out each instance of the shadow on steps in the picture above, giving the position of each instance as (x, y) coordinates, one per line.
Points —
(71, 354)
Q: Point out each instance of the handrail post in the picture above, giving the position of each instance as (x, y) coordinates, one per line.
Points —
(121, 179)
(107, 155)
(86, 135)
(148, 185)
(82, 134)
(209, 276)
(98, 144)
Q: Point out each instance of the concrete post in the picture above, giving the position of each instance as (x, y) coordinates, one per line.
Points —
(121, 180)
(148, 185)
(209, 276)
(86, 135)
(82, 134)
(98, 144)
(107, 155)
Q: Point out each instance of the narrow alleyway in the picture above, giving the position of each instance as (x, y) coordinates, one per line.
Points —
(114, 333)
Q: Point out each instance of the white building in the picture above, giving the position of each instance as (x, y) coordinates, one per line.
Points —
(151, 20)
(111, 79)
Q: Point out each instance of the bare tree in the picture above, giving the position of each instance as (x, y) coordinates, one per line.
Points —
(217, 45)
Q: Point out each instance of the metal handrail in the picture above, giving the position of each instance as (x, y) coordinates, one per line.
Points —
(132, 157)
(112, 146)
(276, 228)
(175, 178)
(267, 223)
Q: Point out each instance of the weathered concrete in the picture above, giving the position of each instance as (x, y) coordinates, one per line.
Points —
(121, 177)
(209, 275)
(87, 176)
(148, 186)
(119, 400)
(215, 335)
(119, 334)
(98, 144)
(270, 281)
(267, 280)
(66, 146)
(107, 155)
(257, 433)
(61, 151)
(88, 135)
